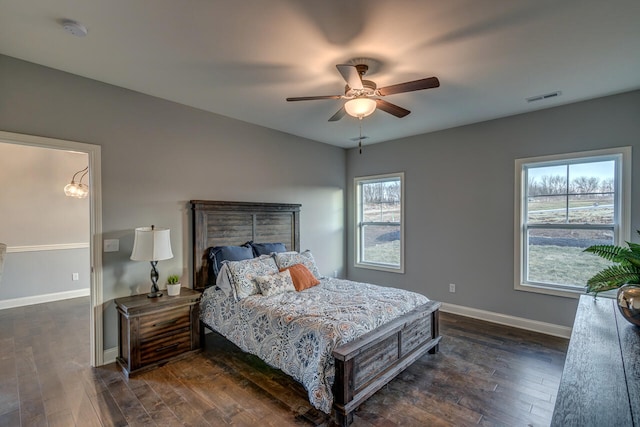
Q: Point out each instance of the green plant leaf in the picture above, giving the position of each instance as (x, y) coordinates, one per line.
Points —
(635, 247)
(608, 252)
(613, 277)
(627, 269)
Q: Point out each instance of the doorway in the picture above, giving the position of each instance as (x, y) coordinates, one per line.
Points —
(95, 226)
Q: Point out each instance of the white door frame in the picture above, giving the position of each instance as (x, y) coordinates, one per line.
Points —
(95, 226)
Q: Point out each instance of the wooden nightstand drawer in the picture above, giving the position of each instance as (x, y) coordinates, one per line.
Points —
(154, 331)
(161, 348)
(164, 322)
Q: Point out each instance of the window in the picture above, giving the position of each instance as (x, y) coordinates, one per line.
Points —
(380, 222)
(564, 204)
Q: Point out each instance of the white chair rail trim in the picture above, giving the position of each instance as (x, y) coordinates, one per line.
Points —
(55, 247)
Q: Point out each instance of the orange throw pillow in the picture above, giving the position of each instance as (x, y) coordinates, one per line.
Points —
(302, 277)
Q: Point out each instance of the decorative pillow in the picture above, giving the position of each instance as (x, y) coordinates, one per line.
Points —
(302, 277)
(243, 274)
(217, 254)
(267, 248)
(287, 259)
(223, 281)
(275, 283)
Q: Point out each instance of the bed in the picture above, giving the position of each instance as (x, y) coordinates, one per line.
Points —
(357, 366)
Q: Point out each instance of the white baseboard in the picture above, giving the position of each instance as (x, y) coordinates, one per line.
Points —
(39, 299)
(503, 319)
(110, 355)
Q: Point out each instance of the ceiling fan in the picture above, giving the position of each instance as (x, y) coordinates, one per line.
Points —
(363, 95)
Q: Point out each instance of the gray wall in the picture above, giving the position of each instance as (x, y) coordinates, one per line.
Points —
(33, 273)
(459, 196)
(157, 155)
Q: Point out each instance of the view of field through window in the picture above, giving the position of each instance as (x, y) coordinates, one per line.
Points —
(380, 222)
(569, 207)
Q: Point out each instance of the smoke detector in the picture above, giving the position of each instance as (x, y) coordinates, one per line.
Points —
(75, 28)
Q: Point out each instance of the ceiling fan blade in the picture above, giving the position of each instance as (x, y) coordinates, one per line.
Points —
(350, 75)
(338, 115)
(311, 98)
(428, 83)
(392, 109)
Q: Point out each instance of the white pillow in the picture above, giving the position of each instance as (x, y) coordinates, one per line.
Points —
(287, 259)
(243, 274)
(274, 284)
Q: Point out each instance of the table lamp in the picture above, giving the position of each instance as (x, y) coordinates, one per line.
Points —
(152, 244)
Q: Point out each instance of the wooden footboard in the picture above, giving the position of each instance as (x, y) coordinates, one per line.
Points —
(365, 365)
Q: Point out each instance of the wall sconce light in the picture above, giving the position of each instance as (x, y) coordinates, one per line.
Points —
(360, 107)
(152, 244)
(77, 190)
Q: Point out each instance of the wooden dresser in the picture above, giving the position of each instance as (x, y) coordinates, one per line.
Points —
(153, 331)
(600, 383)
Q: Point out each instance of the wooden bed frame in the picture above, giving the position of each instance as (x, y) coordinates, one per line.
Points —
(362, 366)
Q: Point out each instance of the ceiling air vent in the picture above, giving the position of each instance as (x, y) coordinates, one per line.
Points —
(545, 96)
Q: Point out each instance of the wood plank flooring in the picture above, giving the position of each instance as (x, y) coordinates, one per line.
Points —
(485, 374)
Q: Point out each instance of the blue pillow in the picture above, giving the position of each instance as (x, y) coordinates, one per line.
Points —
(267, 248)
(217, 254)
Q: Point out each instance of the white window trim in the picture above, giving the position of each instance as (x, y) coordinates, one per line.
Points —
(624, 229)
(370, 266)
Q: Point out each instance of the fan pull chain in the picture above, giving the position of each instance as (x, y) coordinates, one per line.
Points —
(360, 139)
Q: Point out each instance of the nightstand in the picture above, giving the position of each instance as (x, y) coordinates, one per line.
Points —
(154, 331)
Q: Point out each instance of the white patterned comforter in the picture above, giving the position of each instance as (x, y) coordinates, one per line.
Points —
(298, 331)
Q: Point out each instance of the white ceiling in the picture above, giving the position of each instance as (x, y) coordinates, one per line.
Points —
(241, 59)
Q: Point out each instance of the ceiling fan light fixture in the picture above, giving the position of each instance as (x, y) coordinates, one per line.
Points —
(360, 107)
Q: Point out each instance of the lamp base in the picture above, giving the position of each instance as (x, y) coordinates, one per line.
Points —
(154, 281)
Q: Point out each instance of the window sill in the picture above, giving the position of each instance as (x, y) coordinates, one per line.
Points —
(539, 289)
(380, 268)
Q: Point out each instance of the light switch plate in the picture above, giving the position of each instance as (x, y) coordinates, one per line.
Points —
(111, 245)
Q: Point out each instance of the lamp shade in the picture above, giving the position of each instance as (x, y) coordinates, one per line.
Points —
(360, 107)
(151, 244)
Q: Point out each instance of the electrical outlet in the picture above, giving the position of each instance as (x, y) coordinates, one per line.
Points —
(75, 276)
(452, 287)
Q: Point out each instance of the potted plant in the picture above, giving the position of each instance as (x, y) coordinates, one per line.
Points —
(624, 275)
(173, 285)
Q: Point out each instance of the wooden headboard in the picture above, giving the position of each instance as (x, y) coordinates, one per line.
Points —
(235, 223)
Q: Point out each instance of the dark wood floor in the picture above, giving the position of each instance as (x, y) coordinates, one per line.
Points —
(485, 374)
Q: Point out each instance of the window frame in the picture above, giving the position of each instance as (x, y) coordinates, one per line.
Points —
(358, 262)
(622, 221)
